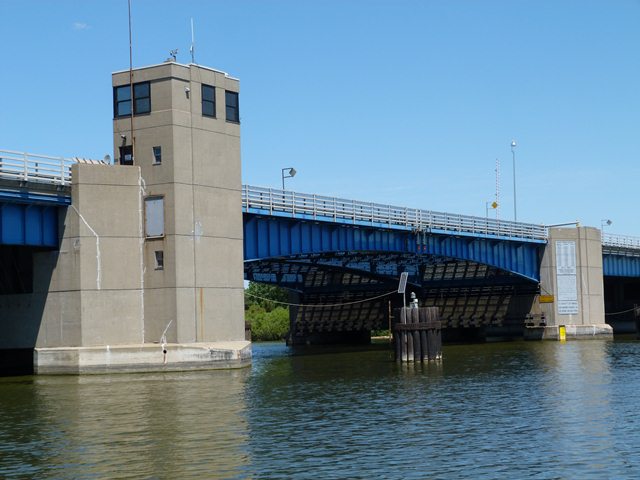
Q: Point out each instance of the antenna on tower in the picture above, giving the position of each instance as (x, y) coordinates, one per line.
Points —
(192, 48)
(497, 188)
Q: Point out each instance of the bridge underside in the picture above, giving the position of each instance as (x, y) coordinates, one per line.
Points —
(621, 268)
(346, 295)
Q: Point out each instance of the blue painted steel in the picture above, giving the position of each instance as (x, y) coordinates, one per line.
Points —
(275, 236)
(362, 223)
(621, 265)
(34, 198)
(29, 225)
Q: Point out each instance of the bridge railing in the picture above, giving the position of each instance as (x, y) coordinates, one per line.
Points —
(620, 241)
(339, 209)
(29, 167)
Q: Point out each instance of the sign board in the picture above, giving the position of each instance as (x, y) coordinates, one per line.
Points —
(403, 282)
(566, 278)
(547, 298)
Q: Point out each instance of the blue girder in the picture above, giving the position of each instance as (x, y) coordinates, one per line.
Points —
(275, 236)
(621, 264)
(34, 225)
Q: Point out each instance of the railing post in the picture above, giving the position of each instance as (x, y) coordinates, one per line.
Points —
(270, 201)
(25, 168)
(62, 176)
(315, 210)
(245, 197)
(293, 204)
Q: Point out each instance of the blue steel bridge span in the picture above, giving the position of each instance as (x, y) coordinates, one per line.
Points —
(338, 251)
(480, 272)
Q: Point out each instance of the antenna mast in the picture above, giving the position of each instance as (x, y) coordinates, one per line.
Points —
(497, 188)
(192, 48)
(133, 151)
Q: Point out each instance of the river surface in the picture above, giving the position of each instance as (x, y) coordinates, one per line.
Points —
(503, 410)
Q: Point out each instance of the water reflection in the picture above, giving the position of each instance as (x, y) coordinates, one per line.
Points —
(172, 425)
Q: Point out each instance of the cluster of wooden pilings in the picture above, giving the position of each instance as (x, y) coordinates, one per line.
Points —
(417, 334)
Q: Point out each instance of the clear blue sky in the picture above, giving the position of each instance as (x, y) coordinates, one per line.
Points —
(402, 102)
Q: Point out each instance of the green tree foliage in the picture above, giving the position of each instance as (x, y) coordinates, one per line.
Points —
(268, 319)
(264, 295)
(265, 326)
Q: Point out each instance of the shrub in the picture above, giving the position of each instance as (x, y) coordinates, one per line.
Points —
(267, 325)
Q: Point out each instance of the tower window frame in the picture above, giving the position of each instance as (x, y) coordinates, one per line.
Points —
(141, 99)
(232, 106)
(126, 154)
(157, 155)
(208, 93)
(159, 258)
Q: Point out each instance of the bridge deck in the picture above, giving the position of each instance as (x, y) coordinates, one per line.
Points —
(276, 202)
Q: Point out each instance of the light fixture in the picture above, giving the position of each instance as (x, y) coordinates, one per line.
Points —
(291, 172)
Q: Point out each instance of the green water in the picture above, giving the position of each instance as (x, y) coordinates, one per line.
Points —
(505, 410)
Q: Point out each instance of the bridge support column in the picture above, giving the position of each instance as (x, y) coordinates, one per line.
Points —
(96, 306)
(571, 281)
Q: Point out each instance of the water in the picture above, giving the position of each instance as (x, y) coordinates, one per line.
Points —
(506, 410)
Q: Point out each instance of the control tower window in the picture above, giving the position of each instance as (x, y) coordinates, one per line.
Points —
(157, 155)
(233, 109)
(126, 155)
(208, 101)
(122, 99)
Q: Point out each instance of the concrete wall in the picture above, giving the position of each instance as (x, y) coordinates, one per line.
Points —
(89, 292)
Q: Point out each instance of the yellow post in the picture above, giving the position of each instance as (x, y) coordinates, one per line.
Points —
(562, 333)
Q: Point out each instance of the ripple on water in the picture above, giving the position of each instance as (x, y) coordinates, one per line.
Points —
(513, 410)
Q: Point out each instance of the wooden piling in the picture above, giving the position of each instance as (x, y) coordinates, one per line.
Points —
(417, 334)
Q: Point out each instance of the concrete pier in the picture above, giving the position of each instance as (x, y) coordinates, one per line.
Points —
(572, 279)
(148, 275)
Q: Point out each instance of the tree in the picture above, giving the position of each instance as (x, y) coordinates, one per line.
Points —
(265, 296)
(268, 320)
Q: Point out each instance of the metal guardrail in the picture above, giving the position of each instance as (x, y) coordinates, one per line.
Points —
(321, 207)
(29, 167)
(620, 241)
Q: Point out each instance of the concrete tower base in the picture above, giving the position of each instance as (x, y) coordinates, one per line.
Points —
(150, 357)
(582, 332)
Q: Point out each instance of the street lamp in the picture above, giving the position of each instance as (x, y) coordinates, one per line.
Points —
(513, 154)
(291, 172)
(605, 223)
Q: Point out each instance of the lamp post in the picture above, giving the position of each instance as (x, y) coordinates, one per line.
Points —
(604, 223)
(291, 172)
(513, 155)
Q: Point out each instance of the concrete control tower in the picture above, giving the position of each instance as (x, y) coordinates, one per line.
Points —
(184, 136)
